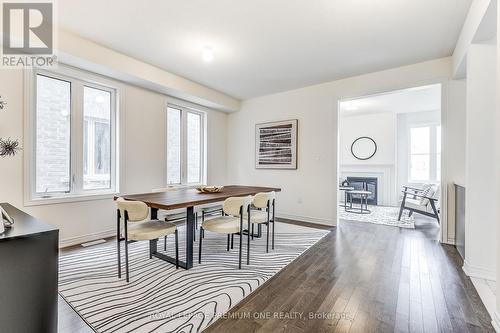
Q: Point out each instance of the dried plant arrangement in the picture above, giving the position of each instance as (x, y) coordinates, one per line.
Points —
(9, 147)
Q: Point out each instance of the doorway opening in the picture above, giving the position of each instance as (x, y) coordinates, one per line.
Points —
(390, 158)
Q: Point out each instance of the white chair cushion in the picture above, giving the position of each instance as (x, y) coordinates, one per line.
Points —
(415, 204)
(256, 216)
(428, 191)
(223, 224)
(260, 199)
(233, 205)
(137, 210)
(150, 230)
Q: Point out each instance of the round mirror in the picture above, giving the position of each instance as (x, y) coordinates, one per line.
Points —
(363, 148)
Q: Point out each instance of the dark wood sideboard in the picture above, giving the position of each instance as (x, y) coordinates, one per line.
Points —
(28, 274)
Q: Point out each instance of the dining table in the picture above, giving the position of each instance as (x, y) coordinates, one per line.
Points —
(189, 198)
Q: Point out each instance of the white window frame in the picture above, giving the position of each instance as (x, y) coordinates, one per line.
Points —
(203, 158)
(78, 79)
(433, 154)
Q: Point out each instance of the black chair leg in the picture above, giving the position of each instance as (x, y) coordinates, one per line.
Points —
(241, 245)
(202, 220)
(165, 243)
(199, 248)
(436, 214)
(126, 259)
(119, 259)
(252, 230)
(272, 243)
(267, 240)
(232, 241)
(118, 243)
(274, 221)
(228, 240)
(176, 249)
(248, 245)
(402, 207)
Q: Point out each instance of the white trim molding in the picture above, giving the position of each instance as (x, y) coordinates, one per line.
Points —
(495, 321)
(310, 219)
(86, 238)
(478, 272)
(451, 241)
(78, 80)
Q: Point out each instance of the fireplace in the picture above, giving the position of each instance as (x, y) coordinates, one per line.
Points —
(367, 184)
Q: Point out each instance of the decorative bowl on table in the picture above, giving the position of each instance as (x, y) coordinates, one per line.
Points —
(209, 189)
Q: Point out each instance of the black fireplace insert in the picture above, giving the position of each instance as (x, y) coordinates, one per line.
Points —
(366, 184)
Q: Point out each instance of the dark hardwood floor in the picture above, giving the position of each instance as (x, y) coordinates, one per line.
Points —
(360, 278)
(367, 278)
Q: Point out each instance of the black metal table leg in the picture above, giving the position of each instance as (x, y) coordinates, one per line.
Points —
(190, 221)
(345, 200)
(154, 213)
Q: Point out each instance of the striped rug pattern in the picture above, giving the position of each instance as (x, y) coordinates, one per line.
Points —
(160, 298)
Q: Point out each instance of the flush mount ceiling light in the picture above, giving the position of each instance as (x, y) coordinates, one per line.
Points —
(207, 54)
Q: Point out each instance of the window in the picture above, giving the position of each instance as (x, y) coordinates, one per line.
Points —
(73, 141)
(425, 154)
(96, 138)
(185, 146)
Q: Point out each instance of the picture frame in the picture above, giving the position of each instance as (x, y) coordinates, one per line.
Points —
(276, 145)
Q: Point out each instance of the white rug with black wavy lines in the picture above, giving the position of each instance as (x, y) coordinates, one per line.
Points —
(160, 298)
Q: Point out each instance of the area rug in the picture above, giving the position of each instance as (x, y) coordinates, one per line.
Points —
(160, 298)
(380, 215)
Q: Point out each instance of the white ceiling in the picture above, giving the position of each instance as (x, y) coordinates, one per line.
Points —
(425, 98)
(264, 46)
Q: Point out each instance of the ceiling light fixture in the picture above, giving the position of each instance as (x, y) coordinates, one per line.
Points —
(207, 54)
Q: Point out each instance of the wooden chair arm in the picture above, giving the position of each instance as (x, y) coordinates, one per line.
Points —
(413, 188)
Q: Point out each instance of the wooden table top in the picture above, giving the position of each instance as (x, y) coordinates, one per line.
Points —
(182, 198)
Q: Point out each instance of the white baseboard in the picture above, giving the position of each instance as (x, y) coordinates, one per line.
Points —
(478, 272)
(85, 238)
(450, 241)
(495, 321)
(316, 220)
(487, 295)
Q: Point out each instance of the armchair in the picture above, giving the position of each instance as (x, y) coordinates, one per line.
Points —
(420, 200)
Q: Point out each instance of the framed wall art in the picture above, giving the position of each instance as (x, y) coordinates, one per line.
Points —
(276, 145)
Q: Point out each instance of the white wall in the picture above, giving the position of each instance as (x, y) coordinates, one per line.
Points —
(454, 155)
(142, 157)
(482, 194)
(381, 127)
(309, 193)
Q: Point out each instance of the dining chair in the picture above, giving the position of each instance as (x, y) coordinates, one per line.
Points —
(261, 213)
(136, 213)
(232, 222)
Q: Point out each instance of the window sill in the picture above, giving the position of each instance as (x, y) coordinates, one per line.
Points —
(70, 198)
